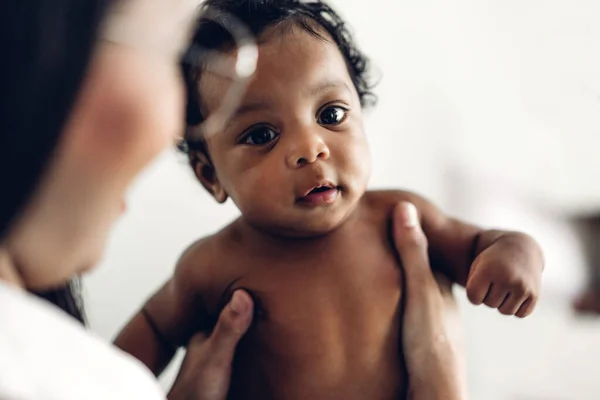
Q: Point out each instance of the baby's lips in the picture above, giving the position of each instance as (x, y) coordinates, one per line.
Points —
(322, 184)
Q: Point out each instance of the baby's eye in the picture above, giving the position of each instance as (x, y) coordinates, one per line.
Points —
(332, 115)
(259, 136)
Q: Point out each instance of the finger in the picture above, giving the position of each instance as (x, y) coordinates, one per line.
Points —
(198, 339)
(476, 291)
(495, 296)
(526, 308)
(233, 322)
(411, 243)
(511, 304)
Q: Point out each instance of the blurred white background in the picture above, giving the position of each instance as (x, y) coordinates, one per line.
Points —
(491, 108)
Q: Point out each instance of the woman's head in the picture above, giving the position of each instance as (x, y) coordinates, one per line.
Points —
(80, 118)
(38, 86)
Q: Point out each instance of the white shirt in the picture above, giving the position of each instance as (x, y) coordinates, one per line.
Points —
(45, 355)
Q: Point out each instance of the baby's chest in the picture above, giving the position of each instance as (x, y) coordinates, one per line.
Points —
(315, 300)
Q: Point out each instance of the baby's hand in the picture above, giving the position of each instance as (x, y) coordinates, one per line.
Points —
(507, 275)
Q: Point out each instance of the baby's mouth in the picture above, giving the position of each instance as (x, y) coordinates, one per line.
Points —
(324, 194)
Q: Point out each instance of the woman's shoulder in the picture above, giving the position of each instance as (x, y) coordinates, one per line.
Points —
(48, 355)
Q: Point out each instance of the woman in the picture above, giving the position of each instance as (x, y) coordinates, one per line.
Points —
(80, 117)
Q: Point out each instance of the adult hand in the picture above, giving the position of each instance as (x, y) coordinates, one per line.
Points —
(206, 370)
(431, 327)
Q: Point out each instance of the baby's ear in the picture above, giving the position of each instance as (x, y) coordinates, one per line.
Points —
(206, 174)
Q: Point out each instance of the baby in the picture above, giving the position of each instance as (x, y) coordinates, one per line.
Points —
(312, 246)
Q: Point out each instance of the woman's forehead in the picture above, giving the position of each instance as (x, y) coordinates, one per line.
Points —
(160, 26)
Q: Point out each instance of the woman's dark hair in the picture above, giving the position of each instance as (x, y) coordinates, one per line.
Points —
(313, 16)
(46, 47)
(66, 297)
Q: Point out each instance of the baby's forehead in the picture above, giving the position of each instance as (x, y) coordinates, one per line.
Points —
(288, 58)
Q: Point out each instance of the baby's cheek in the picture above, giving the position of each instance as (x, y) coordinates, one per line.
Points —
(252, 190)
(357, 161)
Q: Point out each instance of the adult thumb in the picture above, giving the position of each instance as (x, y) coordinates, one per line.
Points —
(410, 242)
(234, 321)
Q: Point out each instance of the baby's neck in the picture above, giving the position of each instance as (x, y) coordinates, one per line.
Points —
(265, 237)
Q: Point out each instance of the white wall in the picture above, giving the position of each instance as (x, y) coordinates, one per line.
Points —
(502, 87)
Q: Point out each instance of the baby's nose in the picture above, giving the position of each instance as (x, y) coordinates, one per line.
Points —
(308, 151)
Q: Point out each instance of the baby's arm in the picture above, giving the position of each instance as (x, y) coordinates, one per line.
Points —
(168, 319)
(499, 268)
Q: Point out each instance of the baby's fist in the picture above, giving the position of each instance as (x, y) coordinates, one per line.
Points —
(507, 275)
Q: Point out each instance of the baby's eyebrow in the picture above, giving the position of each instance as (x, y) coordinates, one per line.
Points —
(250, 107)
(323, 86)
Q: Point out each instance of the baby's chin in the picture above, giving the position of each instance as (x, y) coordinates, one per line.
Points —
(309, 232)
(308, 226)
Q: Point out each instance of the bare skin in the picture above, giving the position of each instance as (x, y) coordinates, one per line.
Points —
(313, 249)
(588, 228)
(430, 317)
(432, 338)
(327, 323)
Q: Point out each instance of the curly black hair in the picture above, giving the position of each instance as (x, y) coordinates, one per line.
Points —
(314, 16)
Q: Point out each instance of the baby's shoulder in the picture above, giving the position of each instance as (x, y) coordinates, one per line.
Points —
(202, 258)
(386, 200)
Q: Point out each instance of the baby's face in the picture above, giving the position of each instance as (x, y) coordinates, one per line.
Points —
(294, 158)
